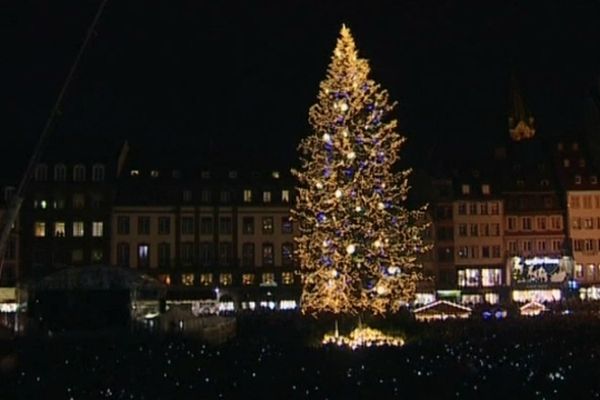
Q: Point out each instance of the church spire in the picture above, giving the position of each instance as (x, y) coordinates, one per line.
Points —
(520, 121)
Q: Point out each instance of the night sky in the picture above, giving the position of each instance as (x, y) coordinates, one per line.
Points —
(187, 78)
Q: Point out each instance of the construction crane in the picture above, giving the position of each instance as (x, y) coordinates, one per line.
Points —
(10, 216)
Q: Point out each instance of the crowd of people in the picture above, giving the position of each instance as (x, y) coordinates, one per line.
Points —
(273, 357)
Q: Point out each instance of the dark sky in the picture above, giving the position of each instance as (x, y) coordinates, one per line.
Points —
(175, 76)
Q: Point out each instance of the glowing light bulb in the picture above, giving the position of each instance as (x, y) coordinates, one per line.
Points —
(380, 206)
(319, 185)
(350, 249)
(343, 106)
(334, 273)
(377, 243)
(345, 132)
(338, 193)
(358, 209)
(380, 289)
(351, 155)
(326, 137)
(325, 243)
(393, 270)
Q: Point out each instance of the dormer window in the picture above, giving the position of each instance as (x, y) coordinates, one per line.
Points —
(247, 195)
(466, 189)
(79, 173)
(566, 163)
(266, 197)
(154, 174)
(578, 179)
(60, 173)
(593, 179)
(233, 174)
(485, 189)
(41, 173)
(285, 196)
(98, 173)
(134, 172)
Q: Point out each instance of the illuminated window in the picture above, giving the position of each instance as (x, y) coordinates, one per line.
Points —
(39, 229)
(79, 173)
(97, 172)
(287, 278)
(588, 223)
(165, 278)
(248, 255)
(247, 196)
(187, 279)
(248, 225)
(286, 225)
(97, 229)
(275, 174)
(143, 256)
(60, 173)
(469, 277)
(485, 189)
(267, 225)
(267, 254)
(466, 189)
(78, 229)
(268, 278)
(287, 305)
(41, 173)
(491, 298)
(225, 279)
(285, 196)
(248, 279)
(154, 174)
(59, 229)
(577, 179)
(266, 197)
(576, 223)
(134, 172)
(578, 271)
(491, 277)
(206, 279)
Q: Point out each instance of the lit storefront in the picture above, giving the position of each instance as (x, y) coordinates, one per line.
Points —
(539, 279)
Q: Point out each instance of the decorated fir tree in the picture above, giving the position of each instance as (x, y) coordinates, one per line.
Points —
(358, 243)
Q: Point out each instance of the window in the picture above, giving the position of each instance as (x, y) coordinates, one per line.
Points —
(285, 196)
(267, 225)
(286, 225)
(578, 271)
(556, 245)
(164, 225)
(143, 225)
(495, 229)
(98, 173)
(574, 202)
(588, 245)
(485, 251)
(287, 254)
(78, 229)
(445, 254)
(474, 251)
(578, 179)
(123, 225)
(225, 253)
(556, 223)
(491, 277)
(164, 255)
(60, 173)
(578, 245)
(462, 208)
(143, 256)
(593, 179)
(187, 279)
(247, 279)
(512, 223)
(154, 174)
(187, 253)
(526, 223)
(248, 225)
(206, 226)
(469, 277)
(134, 172)
(512, 246)
(485, 189)
(225, 196)
(462, 230)
(225, 225)
(206, 253)
(77, 255)
(463, 252)
(588, 223)
(496, 251)
(247, 196)
(187, 225)
(59, 229)
(39, 229)
(205, 196)
(233, 174)
(541, 245)
(79, 173)
(587, 201)
(248, 255)
(541, 223)
(582, 162)
(186, 196)
(78, 200)
(97, 256)
(97, 229)
(473, 208)
(494, 208)
(164, 278)
(465, 189)
(287, 278)
(268, 279)
(123, 254)
(474, 230)
(527, 245)
(266, 197)
(267, 254)
(225, 279)
(206, 279)
(58, 203)
(41, 173)
(566, 163)
(483, 208)
(576, 223)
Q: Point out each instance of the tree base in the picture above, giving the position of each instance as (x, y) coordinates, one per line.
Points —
(363, 336)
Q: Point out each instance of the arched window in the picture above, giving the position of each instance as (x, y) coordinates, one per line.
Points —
(41, 172)
(79, 173)
(98, 173)
(60, 173)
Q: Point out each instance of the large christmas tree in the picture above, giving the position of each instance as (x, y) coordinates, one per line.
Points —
(358, 244)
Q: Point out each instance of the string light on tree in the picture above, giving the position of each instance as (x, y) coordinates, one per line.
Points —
(352, 149)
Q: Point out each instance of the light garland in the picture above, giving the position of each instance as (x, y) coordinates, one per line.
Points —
(363, 337)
